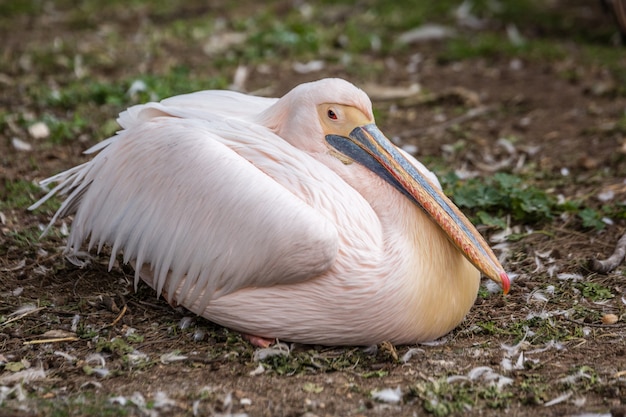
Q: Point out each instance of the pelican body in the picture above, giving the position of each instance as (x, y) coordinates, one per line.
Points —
(291, 218)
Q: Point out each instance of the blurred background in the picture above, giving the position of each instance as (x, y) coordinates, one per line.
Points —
(535, 89)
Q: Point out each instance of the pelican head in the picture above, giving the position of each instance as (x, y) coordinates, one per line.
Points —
(347, 122)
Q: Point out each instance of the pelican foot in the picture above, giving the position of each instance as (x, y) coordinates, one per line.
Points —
(258, 341)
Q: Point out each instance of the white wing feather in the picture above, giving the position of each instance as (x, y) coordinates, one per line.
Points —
(169, 193)
(213, 105)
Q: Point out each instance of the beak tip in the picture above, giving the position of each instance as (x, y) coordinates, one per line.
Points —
(505, 282)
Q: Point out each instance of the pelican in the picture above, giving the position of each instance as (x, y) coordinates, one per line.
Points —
(292, 218)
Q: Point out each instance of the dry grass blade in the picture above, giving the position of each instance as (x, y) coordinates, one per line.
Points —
(21, 316)
(118, 318)
(52, 340)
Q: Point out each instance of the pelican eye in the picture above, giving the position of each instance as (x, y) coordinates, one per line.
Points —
(332, 115)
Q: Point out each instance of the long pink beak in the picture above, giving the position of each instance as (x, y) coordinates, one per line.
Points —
(368, 146)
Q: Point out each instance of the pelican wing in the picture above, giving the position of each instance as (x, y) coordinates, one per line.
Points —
(211, 105)
(171, 193)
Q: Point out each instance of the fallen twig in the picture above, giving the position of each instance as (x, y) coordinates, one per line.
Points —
(21, 316)
(117, 319)
(612, 262)
(601, 325)
(119, 316)
(53, 340)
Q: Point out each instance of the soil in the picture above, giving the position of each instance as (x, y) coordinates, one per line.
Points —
(562, 117)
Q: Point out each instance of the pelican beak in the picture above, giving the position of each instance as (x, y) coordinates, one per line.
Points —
(369, 146)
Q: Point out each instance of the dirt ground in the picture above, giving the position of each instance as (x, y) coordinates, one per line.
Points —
(543, 349)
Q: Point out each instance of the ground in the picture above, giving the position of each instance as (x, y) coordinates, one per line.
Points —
(520, 109)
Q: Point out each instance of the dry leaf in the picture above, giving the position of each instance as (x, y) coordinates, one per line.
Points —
(57, 334)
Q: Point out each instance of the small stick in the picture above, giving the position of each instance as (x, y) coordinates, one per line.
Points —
(602, 325)
(21, 316)
(609, 264)
(118, 318)
(53, 340)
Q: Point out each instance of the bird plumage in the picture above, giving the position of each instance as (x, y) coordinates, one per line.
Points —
(234, 207)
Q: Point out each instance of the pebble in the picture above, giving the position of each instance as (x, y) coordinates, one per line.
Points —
(20, 145)
(609, 319)
(39, 130)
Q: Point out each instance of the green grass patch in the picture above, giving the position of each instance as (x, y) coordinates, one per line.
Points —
(535, 391)
(492, 199)
(84, 90)
(89, 107)
(65, 130)
(591, 218)
(494, 45)
(594, 292)
(283, 38)
(544, 330)
(153, 87)
(314, 361)
(20, 194)
(83, 404)
(116, 345)
(441, 398)
(12, 9)
(179, 80)
(500, 195)
(26, 238)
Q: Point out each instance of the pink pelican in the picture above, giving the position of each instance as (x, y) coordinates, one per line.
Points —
(291, 218)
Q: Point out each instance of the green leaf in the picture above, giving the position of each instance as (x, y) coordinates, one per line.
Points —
(14, 366)
(312, 388)
(375, 374)
(595, 292)
(489, 220)
(591, 218)
(502, 194)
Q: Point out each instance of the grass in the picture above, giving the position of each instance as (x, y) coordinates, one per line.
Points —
(17, 194)
(336, 360)
(503, 193)
(495, 46)
(15, 197)
(89, 107)
(611, 59)
(148, 87)
(594, 291)
(297, 34)
(84, 404)
(496, 198)
(270, 39)
(12, 9)
(441, 398)
(535, 389)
